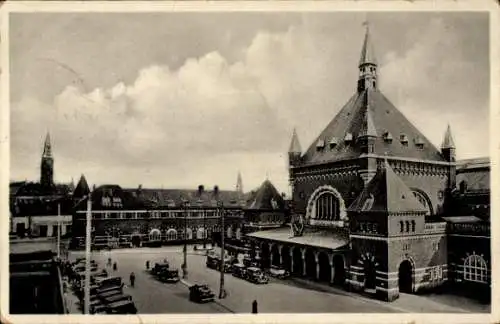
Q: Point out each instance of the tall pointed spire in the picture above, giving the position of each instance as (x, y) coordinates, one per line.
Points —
(367, 64)
(47, 148)
(295, 145)
(448, 142)
(239, 183)
(367, 51)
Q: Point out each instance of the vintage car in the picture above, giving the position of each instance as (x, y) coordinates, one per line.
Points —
(257, 276)
(110, 293)
(109, 282)
(101, 291)
(213, 262)
(201, 294)
(249, 262)
(240, 270)
(158, 267)
(169, 275)
(98, 308)
(122, 307)
(116, 298)
(278, 272)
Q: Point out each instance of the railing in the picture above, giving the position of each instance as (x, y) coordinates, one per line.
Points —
(435, 227)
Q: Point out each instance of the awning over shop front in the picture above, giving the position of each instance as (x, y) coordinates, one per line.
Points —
(237, 248)
(321, 238)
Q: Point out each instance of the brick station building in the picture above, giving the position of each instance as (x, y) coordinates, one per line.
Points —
(153, 217)
(377, 207)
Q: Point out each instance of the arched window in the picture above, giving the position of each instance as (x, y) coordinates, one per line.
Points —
(475, 269)
(423, 200)
(171, 235)
(188, 235)
(238, 233)
(327, 207)
(201, 233)
(413, 226)
(402, 224)
(155, 235)
(229, 233)
(407, 226)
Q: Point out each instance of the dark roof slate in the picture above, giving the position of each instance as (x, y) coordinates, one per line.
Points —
(385, 119)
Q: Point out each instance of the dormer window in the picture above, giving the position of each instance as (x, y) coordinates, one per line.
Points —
(333, 142)
(419, 143)
(387, 137)
(403, 139)
(348, 138)
(320, 145)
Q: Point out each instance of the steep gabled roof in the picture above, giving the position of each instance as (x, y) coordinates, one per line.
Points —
(387, 193)
(82, 188)
(264, 197)
(385, 120)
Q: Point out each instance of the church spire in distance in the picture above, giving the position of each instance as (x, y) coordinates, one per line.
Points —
(47, 148)
(367, 63)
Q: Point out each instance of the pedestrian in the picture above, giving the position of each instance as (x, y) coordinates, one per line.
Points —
(147, 265)
(132, 279)
(115, 266)
(254, 307)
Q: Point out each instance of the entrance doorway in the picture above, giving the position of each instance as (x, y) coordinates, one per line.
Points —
(405, 277)
(20, 229)
(370, 275)
(338, 264)
(43, 230)
(136, 240)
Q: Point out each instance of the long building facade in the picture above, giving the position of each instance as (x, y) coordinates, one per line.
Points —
(376, 207)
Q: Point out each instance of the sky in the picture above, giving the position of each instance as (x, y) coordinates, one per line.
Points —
(175, 100)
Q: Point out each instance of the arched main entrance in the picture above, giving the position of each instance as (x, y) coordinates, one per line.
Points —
(297, 261)
(325, 271)
(338, 265)
(370, 274)
(405, 278)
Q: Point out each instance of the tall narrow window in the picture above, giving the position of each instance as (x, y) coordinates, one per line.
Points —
(413, 226)
(402, 224)
(407, 226)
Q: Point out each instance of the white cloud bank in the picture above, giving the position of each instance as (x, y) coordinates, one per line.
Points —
(210, 118)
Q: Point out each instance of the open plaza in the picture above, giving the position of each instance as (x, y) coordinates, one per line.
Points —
(292, 295)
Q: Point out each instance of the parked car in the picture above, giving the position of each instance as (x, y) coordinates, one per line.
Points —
(109, 282)
(240, 270)
(122, 307)
(116, 298)
(257, 276)
(278, 272)
(110, 293)
(249, 262)
(169, 275)
(213, 262)
(200, 294)
(158, 267)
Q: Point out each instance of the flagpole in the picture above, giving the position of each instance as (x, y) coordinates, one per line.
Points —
(87, 255)
(59, 231)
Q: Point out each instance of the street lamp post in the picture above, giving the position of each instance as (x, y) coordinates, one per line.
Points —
(220, 206)
(87, 255)
(58, 231)
(184, 265)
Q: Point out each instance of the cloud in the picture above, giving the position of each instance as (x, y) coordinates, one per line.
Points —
(211, 116)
